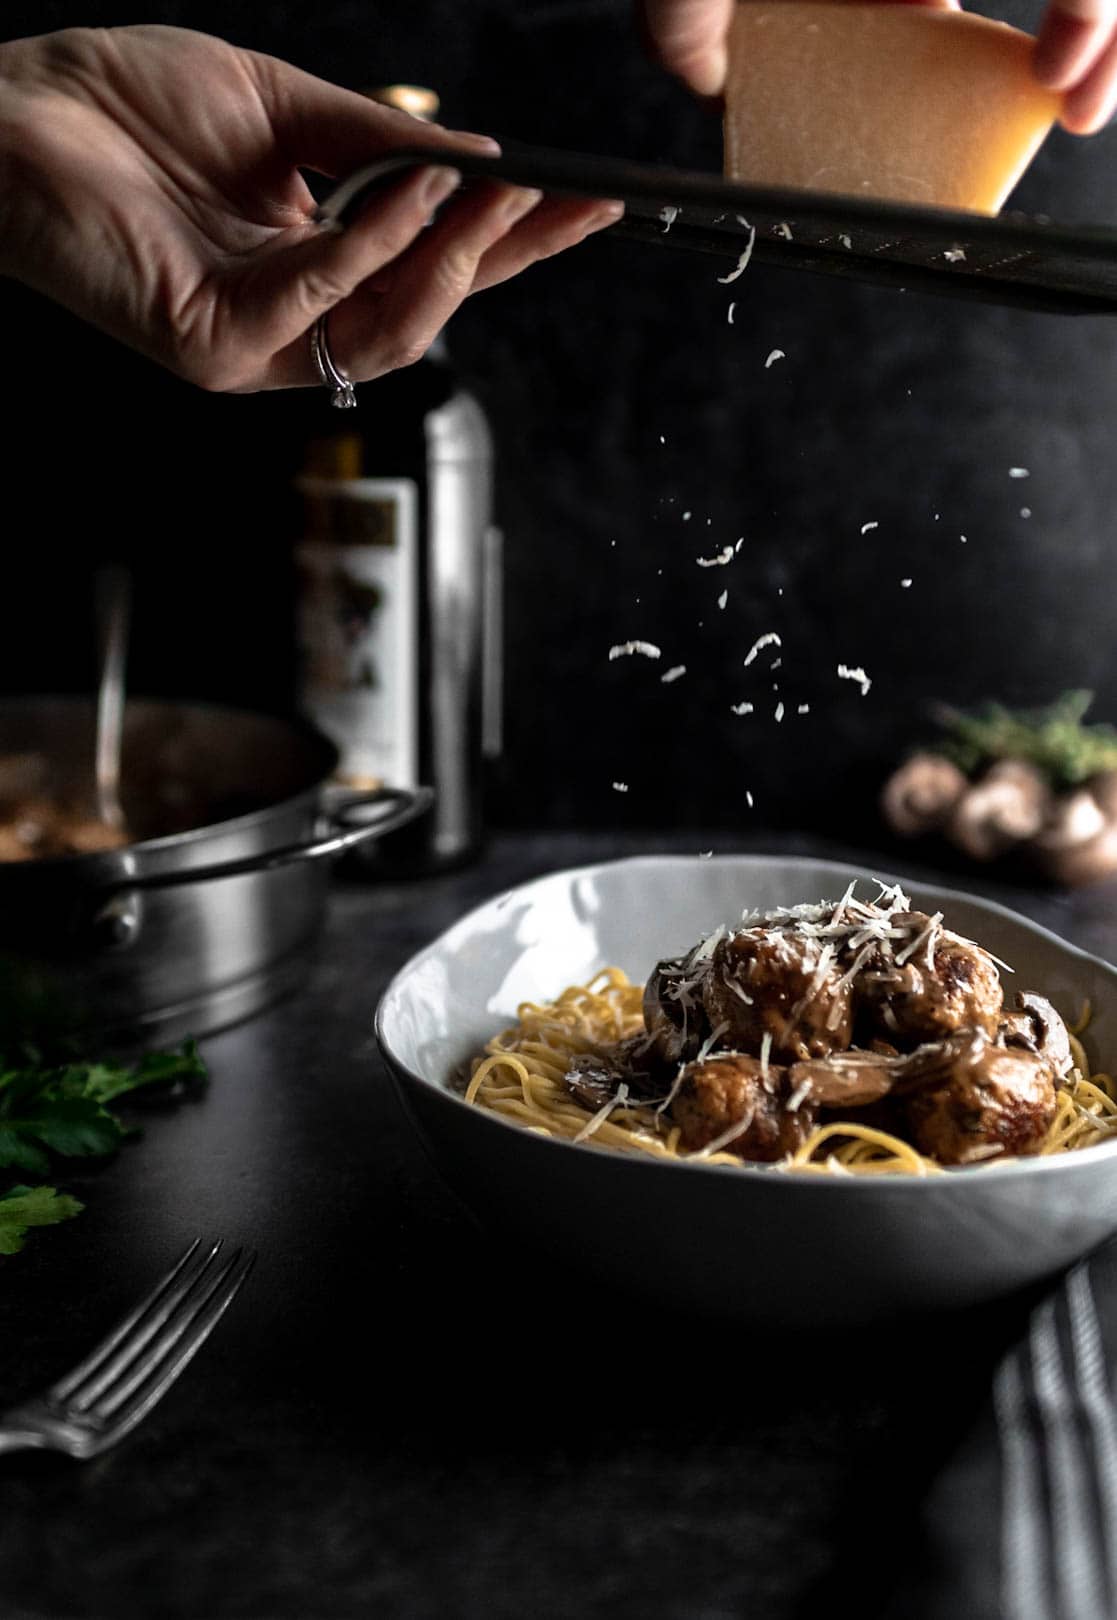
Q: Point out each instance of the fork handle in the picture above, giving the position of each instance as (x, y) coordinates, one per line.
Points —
(21, 1440)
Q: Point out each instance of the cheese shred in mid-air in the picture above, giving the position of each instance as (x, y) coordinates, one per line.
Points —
(770, 639)
(743, 261)
(855, 672)
(625, 649)
(673, 674)
(725, 555)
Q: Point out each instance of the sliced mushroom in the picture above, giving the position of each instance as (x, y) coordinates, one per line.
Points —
(846, 1080)
(1037, 1027)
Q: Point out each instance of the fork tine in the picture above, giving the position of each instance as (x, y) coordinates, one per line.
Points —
(100, 1352)
(134, 1347)
(127, 1403)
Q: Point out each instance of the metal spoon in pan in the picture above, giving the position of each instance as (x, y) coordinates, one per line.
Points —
(114, 602)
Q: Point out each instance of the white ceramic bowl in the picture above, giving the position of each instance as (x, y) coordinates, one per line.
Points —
(750, 1242)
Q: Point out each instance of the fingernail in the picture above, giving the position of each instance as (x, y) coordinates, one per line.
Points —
(521, 202)
(439, 185)
(480, 143)
(606, 215)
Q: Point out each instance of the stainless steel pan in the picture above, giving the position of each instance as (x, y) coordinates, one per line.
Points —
(207, 915)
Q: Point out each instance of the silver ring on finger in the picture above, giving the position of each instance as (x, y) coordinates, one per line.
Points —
(342, 393)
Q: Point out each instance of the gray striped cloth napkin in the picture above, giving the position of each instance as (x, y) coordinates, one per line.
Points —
(1021, 1524)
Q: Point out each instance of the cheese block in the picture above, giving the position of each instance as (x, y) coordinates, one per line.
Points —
(883, 100)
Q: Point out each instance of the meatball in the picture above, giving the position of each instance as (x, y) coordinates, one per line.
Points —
(950, 986)
(786, 986)
(721, 1092)
(970, 1097)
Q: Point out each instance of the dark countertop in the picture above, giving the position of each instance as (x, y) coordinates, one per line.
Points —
(405, 1416)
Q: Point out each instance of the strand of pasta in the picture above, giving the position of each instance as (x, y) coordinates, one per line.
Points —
(521, 1078)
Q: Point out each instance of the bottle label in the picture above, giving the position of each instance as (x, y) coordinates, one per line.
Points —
(358, 625)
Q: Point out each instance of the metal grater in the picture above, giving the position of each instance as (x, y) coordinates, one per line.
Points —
(1025, 261)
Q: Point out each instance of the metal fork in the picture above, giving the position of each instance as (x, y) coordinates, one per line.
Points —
(119, 1382)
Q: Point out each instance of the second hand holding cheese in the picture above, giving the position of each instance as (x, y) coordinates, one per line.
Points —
(893, 101)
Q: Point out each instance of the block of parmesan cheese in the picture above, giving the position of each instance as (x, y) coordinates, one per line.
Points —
(882, 100)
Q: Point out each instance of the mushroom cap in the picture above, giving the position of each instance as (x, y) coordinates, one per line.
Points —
(1010, 804)
(919, 796)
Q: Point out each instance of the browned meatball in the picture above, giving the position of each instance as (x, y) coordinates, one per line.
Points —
(973, 1097)
(735, 1090)
(788, 986)
(917, 1000)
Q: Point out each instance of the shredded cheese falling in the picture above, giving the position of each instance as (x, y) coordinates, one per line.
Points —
(625, 649)
(854, 672)
(776, 354)
(743, 261)
(673, 674)
(725, 555)
(770, 639)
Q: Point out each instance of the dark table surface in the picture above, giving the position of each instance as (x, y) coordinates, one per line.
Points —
(401, 1416)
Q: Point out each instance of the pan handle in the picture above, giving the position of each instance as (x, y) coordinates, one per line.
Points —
(401, 806)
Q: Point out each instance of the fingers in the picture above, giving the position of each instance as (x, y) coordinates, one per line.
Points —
(379, 331)
(335, 131)
(1091, 102)
(1072, 39)
(688, 37)
(278, 297)
(556, 224)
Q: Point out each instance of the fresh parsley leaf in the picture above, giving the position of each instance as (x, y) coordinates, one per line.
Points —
(24, 1207)
(75, 1127)
(63, 1110)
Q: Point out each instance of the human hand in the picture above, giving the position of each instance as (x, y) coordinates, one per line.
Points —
(1076, 50)
(149, 181)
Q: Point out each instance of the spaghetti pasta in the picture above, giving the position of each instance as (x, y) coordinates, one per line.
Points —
(521, 1078)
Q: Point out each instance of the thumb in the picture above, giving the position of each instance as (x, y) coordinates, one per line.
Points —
(333, 131)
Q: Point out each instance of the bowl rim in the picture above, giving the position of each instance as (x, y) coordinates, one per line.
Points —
(897, 1185)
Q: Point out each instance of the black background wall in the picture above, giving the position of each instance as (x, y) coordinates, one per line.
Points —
(621, 398)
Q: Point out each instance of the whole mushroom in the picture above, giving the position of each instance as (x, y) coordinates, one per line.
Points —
(1078, 842)
(1009, 805)
(920, 795)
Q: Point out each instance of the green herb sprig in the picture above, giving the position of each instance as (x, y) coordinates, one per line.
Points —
(1055, 738)
(62, 1111)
